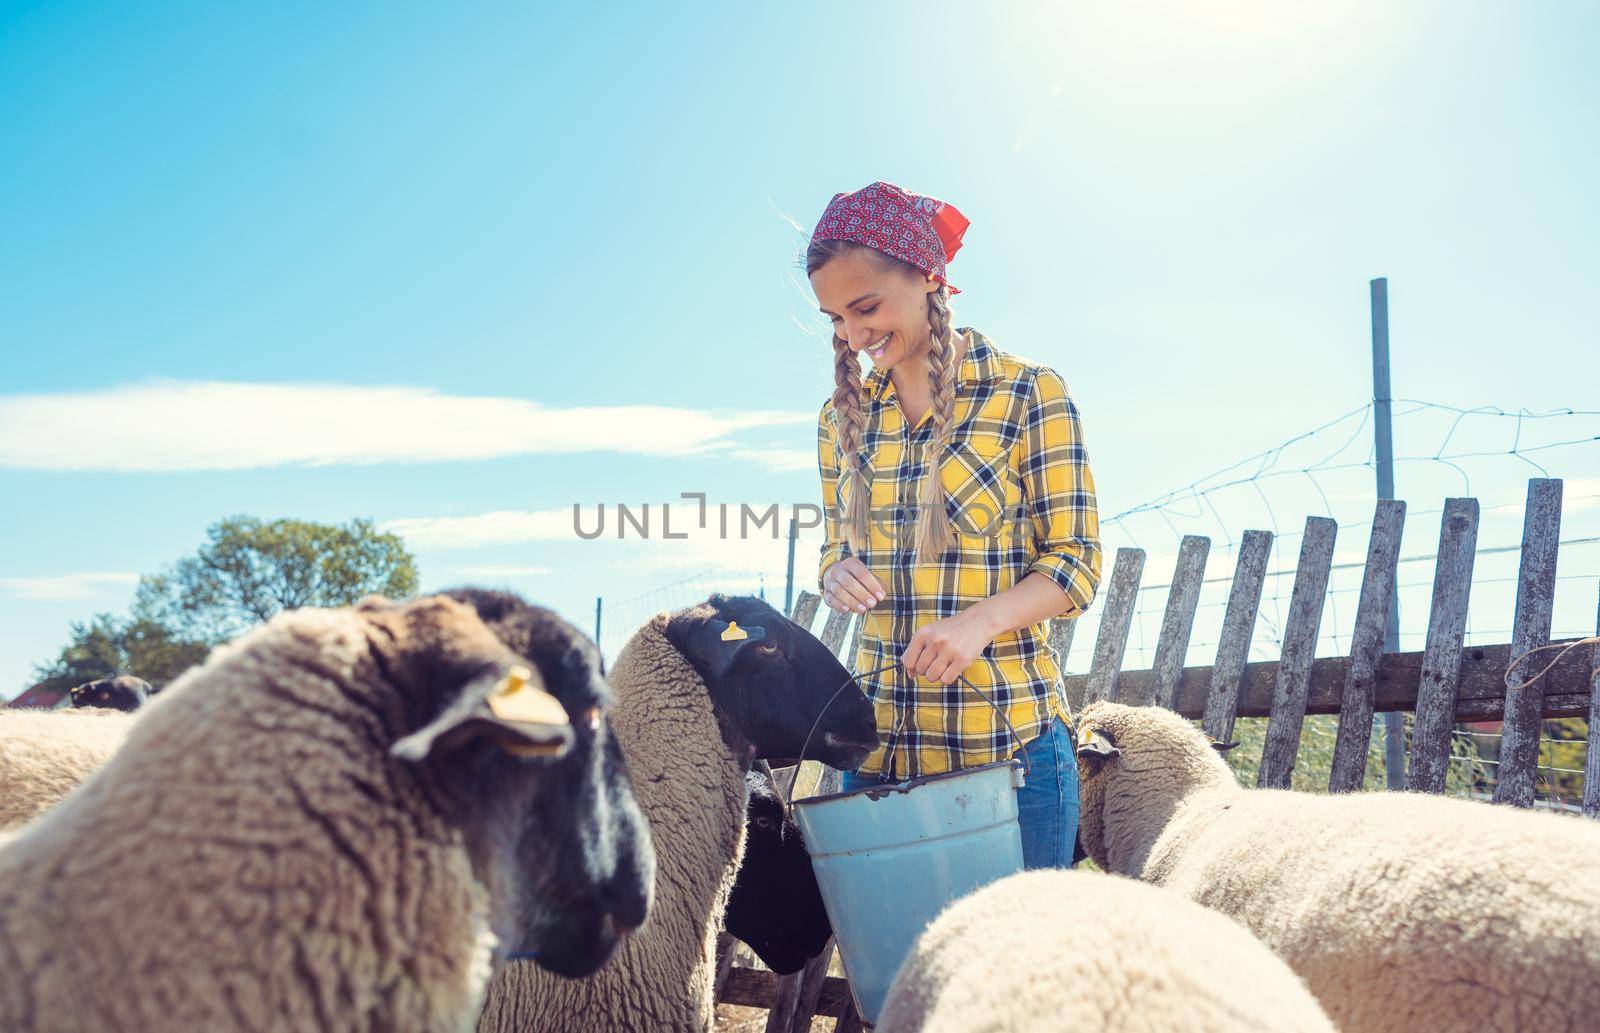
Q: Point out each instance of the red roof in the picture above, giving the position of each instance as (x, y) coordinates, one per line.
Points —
(39, 696)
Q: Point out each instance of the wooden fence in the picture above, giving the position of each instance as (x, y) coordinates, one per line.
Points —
(1444, 683)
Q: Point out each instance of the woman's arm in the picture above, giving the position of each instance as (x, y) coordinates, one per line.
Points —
(942, 650)
(1058, 490)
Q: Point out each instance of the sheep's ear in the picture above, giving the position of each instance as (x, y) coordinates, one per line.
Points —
(513, 712)
(718, 643)
(1223, 747)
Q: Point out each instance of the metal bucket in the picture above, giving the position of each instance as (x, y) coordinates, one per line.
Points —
(890, 857)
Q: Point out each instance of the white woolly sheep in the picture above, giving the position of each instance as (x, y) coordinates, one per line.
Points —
(44, 754)
(700, 693)
(1401, 911)
(1097, 952)
(325, 826)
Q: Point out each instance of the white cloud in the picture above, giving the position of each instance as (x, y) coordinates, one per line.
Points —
(501, 527)
(491, 571)
(201, 425)
(783, 460)
(65, 586)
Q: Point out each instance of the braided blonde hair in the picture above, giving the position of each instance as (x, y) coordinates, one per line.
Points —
(850, 416)
(933, 523)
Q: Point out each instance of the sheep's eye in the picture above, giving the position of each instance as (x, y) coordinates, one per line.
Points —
(764, 823)
(769, 648)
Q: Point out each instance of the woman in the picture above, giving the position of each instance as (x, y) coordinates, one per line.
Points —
(960, 512)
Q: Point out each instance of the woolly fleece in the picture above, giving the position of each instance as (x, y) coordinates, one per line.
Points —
(1401, 911)
(1102, 953)
(258, 862)
(44, 754)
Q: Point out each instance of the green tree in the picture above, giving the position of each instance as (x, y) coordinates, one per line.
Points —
(250, 569)
(106, 646)
(247, 571)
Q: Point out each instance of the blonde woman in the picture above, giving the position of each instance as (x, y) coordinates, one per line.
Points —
(960, 512)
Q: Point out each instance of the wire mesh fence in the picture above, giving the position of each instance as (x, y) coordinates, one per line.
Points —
(1445, 451)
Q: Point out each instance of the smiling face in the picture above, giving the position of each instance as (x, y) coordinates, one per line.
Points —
(878, 305)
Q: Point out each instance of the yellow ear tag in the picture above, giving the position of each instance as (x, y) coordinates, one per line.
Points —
(515, 699)
(734, 633)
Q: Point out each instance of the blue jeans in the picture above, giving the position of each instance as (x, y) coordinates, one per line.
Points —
(1047, 807)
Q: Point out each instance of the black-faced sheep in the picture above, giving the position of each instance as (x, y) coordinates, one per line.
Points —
(1401, 911)
(701, 693)
(324, 826)
(776, 907)
(121, 692)
(1056, 950)
(45, 754)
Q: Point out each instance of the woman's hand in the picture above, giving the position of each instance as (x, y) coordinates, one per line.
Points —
(849, 586)
(942, 650)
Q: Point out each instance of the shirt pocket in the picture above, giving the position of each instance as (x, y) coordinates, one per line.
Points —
(981, 487)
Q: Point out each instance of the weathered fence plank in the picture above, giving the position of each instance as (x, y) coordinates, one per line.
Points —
(1115, 619)
(849, 1018)
(1299, 652)
(1060, 638)
(1530, 628)
(808, 981)
(1480, 694)
(1178, 621)
(805, 608)
(1591, 762)
(849, 655)
(725, 942)
(1441, 659)
(753, 988)
(1221, 702)
(1366, 645)
(833, 631)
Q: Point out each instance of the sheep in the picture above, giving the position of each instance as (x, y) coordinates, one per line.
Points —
(327, 825)
(44, 754)
(776, 907)
(1401, 911)
(1055, 949)
(701, 693)
(121, 692)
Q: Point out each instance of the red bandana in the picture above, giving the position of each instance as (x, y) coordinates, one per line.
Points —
(920, 230)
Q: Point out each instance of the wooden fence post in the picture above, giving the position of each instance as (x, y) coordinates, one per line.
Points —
(1441, 662)
(1366, 646)
(1536, 590)
(1115, 619)
(1178, 620)
(1299, 650)
(1238, 627)
(1591, 763)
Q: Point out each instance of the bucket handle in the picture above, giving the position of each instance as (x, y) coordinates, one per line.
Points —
(788, 799)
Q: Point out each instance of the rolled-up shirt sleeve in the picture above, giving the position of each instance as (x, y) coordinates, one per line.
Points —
(1058, 493)
(834, 547)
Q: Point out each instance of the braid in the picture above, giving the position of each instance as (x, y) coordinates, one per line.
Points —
(851, 419)
(933, 523)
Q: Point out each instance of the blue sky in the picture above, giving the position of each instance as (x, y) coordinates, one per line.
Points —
(456, 268)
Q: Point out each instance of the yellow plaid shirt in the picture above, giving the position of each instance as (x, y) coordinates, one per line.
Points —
(1021, 499)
